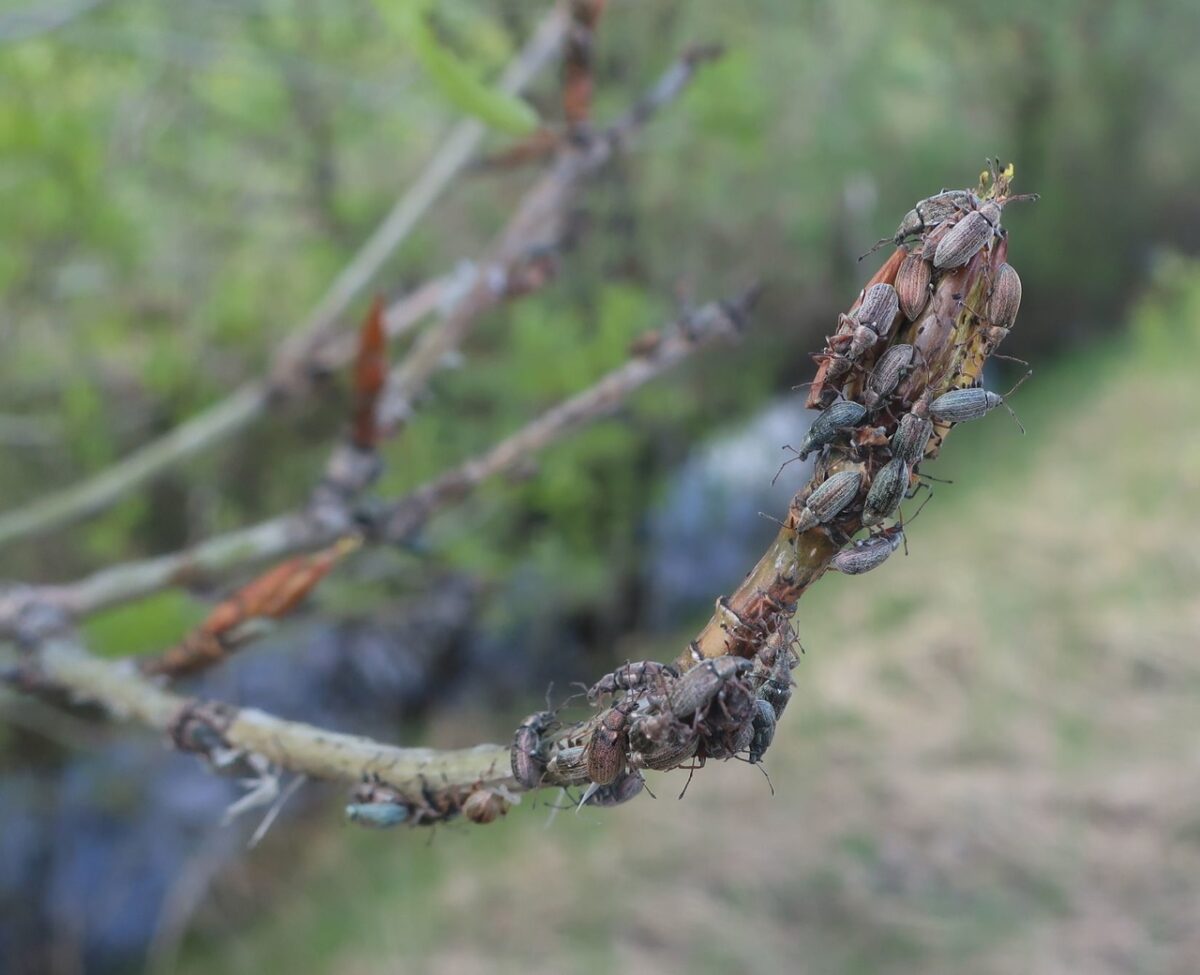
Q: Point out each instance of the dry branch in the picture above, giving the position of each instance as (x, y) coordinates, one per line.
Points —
(748, 639)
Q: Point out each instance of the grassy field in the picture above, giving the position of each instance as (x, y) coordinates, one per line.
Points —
(991, 763)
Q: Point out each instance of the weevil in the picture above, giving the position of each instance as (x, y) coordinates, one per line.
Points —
(833, 423)
(927, 215)
(697, 688)
(763, 728)
(892, 366)
(378, 815)
(775, 666)
(967, 237)
(528, 766)
(961, 405)
(912, 285)
(872, 320)
(828, 500)
(868, 553)
(887, 491)
(661, 742)
(627, 786)
(606, 749)
(859, 331)
(911, 437)
(1004, 300)
(568, 766)
(629, 677)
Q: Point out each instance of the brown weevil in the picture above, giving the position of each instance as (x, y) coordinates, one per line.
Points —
(912, 285)
(834, 422)
(1005, 297)
(887, 491)
(606, 749)
(528, 766)
(828, 500)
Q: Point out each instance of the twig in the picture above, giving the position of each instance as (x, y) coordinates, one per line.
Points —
(227, 417)
(298, 532)
(404, 517)
(425, 785)
(62, 664)
(328, 515)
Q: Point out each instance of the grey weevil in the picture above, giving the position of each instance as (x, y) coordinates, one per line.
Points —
(911, 437)
(528, 766)
(697, 688)
(873, 319)
(887, 491)
(765, 720)
(961, 405)
(629, 677)
(868, 553)
(628, 785)
(892, 366)
(927, 215)
(833, 423)
(568, 766)
(965, 239)
(828, 500)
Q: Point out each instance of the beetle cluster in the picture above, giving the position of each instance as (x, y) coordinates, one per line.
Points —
(376, 804)
(902, 367)
(892, 374)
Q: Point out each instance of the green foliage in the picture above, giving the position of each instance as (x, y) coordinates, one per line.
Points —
(144, 627)
(457, 79)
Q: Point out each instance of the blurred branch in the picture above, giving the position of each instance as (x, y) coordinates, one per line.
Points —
(21, 25)
(662, 351)
(224, 419)
(222, 732)
(298, 531)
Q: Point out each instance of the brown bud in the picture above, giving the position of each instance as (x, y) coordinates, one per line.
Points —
(1005, 298)
(912, 285)
(485, 806)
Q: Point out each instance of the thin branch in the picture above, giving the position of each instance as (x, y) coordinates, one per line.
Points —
(21, 25)
(225, 418)
(299, 532)
(62, 665)
(663, 350)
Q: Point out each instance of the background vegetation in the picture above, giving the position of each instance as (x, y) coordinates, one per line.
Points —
(1004, 782)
